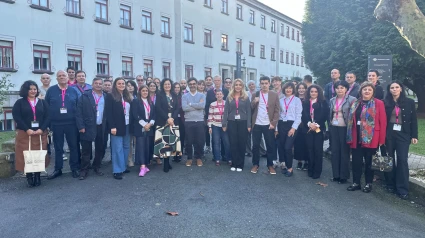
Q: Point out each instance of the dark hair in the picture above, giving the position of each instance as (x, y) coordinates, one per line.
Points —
(264, 78)
(25, 88)
(192, 79)
(139, 93)
(79, 72)
(134, 86)
(389, 97)
(227, 79)
(125, 94)
(342, 83)
(106, 80)
(298, 86)
(288, 85)
(163, 82)
(72, 68)
(97, 79)
(374, 71)
(149, 85)
(174, 86)
(276, 78)
(308, 78)
(351, 72)
(208, 76)
(320, 97)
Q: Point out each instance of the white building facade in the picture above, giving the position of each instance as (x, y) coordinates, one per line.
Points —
(162, 38)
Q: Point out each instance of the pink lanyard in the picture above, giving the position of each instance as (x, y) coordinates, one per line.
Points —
(81, 89)
(337, 106)
(33, 108)
(397, 111)
(63, 97)
(153, 98)
(311, 110)
(123, 105)
(148, 108)
(287, 106)
(264, 99)
(220, 108)
(96, 100)
(352, 86)
(237, 106)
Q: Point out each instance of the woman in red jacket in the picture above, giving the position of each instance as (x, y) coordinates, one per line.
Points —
(366, 130)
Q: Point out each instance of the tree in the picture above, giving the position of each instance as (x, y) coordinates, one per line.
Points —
(5, 85)
(341, 34)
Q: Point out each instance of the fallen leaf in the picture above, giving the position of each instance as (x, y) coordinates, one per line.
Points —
(322, 184)
(173, 213)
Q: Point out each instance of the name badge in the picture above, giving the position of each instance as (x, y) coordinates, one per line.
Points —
(285, 120)
(63, 110)
(397, 127)
(335, 122)
(358, 123)
(97, 114)
(35, 124)
(237, 117)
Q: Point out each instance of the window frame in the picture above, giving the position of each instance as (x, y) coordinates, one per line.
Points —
(208, 3)
(122, 14)
(225, 4)
(207, 37)
(188, 68)
(302, 61)
(73, 2)
(188, 28)
(239, 45)
(262, 51)
(287, 57)
(226, 37)
(252, 17)
(298, 36)
(293, 34)
(239, 7)
(273, 26)
(282, 29)
(146, 64)
(207, 71)
(99, 74)
(251, 49)
(39, 4)
(124, 60)
(292, 59)
(272, 54)
(97, 2)
(287, 32)
(80, 55)
(263, 22)
(281, 56)
(41, 52)
(166, 67)
(167, 24)
(147, 16)
(3, 59)
(297, 60)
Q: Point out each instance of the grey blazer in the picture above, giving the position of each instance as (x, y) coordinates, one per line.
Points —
(348, 100)
(230, 111)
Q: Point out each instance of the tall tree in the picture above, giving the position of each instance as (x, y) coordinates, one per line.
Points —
(341, 34)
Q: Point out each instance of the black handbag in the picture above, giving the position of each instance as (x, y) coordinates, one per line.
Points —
(382, 163)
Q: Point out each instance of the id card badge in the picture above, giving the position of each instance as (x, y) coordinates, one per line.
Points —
(335, 122)
(35, 124)
(397, 127)
(237, 117)
(358, 123)
(63, 110)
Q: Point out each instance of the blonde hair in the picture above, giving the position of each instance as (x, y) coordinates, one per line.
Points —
(243, 95)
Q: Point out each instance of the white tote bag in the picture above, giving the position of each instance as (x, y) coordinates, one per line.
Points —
(35, 159)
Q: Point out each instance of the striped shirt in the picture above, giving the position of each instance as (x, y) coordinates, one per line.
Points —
(215, 115)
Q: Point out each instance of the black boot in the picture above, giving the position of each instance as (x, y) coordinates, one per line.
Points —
(166, 165)
(37, 180)
(30, 180)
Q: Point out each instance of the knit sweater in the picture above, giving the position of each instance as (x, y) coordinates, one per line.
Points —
(215, 115)
(193, 106)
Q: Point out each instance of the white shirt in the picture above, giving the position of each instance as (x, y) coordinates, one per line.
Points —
(127, 113)
(262, 115)
(294, 112)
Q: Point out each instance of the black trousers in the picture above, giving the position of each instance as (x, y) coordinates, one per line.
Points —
(398, 142)
(238, 131)
(207, 137)
(257, 132)
(195, 139)
(286, 143)
(340, 157)
(99, 150)
(329, 134)
(300, 151)
(315, 151)
(359, 154)
(71, 133)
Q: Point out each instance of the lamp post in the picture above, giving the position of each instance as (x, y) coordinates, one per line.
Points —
(246, 71)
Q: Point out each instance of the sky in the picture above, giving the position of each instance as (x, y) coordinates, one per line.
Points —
(291, 8)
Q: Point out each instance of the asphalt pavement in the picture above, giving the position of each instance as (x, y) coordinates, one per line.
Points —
(211, 202)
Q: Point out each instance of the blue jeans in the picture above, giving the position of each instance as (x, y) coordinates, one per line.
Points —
(120, 148)
(219, 135)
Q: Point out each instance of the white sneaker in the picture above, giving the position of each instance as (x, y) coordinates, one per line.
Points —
(233, 169)
(239, 170)
(275, 163)
(64, 157)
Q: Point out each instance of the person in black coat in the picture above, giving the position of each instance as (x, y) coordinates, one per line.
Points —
(91, 124)
(143, 116)
(315, 113)
(402, 130)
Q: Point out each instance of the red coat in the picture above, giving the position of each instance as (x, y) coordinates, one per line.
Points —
(380, 128)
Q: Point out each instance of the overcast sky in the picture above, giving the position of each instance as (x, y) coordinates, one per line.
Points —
(291, 8)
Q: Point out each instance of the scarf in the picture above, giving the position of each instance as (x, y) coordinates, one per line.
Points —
(367, 125)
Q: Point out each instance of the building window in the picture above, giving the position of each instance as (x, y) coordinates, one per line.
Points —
(273, 28)
(41, 3)
(273, 54)
(125, 12)
(298, 36)
(292, 59)
(75, 59)
(207, 72)
(263, 22)
(188, 32)
(224, 7)
(302, 61)
(207, 3)
(41, 58)
(287, 32)
(6, 54)
(298, 60)
(73, 7)
(287, 57)
(224, 42)
(165, 26)
(239, 45)
(148, 68)
(252, 17)
(127, 66)
(102, 10)
(207, 38)
(188, 71)
(102, 64)
(239, 12)
(281, 56)
(263, 52)
(251, 49)
(146, 21)
(166, 70)
(293, 34)
(282, 30)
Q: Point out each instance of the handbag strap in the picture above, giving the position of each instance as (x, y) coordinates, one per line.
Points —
(41, 145)
(29, 144)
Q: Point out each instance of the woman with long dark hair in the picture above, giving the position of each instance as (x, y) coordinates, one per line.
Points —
(402, 130)
(366, 130)
(177, 91)
(117, 111)
(300, 153)
(153, 91)
(315, 114)
(167, 135)
(31, 115)
(132, 89)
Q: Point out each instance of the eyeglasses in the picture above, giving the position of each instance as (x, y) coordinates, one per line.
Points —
(192, 84)
(139, 80)
(228, 82)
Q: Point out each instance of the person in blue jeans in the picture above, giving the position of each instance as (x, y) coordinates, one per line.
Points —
(215, 117)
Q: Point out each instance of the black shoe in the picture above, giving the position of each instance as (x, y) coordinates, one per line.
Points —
(166, 165)
(315, 177)
(354, 187)
(367, 188)
(335, 179)
(177, 159)
(248, 155)
(98, 172)
(37, 179)
(55, 174)
(118, 176)
(75, 173)
(305, 167)
(390, 189)
(126, 171)
(264, 156)
(83, 175)
(300, 166)
(403, 196)
(30, 180)
(342, 181)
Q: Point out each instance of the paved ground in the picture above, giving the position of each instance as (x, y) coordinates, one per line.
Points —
(211, 202)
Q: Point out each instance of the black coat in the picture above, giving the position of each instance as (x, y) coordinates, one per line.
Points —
(162, 109)
(210, 98)
(379, 91)
(138, 112)
(86, 116)
(114, 113)
(321, 114)
(408, 115)
(23, 114)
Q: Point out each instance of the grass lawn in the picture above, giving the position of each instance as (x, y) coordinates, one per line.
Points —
(5, 136)
(420, 147)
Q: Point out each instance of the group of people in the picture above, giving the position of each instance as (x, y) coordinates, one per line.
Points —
(162, 120)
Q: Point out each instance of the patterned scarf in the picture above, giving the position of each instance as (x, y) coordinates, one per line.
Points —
(367, 118)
